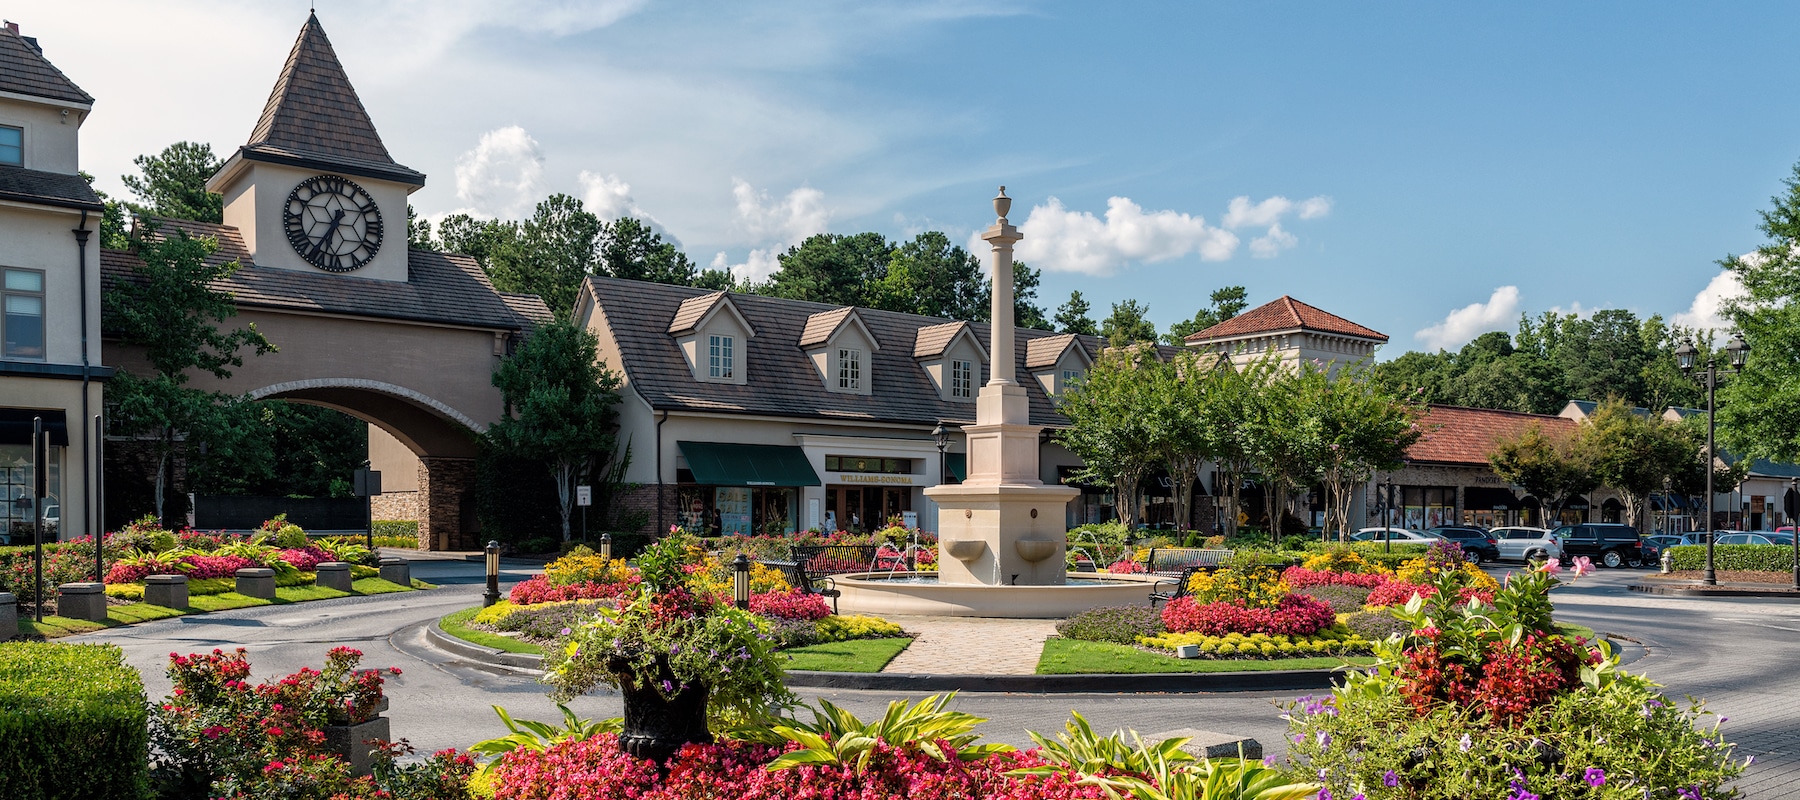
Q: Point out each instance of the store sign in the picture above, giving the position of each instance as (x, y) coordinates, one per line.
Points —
(903, 480)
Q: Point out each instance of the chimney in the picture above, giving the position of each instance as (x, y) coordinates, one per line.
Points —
(10, 26)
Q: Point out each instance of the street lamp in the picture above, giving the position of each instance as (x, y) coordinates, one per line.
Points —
(1792, 503)
(605, 547)
(941, 435)
(740, 581)
(492, 595)
(1687, 356)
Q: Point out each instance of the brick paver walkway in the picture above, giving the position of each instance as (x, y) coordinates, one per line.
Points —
(972, 646)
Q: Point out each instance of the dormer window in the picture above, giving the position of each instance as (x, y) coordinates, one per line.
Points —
(721, 356)
(962, 379)
(1069, 377)
(849, 364)
(12, 146)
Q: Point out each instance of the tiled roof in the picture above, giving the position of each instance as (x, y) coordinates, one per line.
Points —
(1456, 435)
(24, 70)
(933, 340)
(529, 306)
(314, 115)
(1284, 314)
(46, 188)
(693, 310)
(820, 326)
(440, 287)
(1044, 351)
(780, 379)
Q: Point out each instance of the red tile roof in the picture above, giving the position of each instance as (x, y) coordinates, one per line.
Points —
(1456, 435)
(1284, 314)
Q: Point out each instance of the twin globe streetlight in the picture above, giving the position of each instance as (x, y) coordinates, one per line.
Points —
(1686, 357)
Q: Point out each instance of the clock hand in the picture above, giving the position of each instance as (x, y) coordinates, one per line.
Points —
(336, 219)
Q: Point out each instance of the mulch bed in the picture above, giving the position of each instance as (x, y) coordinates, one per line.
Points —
(1781, 578)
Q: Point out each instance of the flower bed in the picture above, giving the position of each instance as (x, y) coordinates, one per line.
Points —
(1331, 641)
(1293, 615)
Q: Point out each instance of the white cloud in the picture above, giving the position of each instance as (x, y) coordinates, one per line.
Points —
(788, 220)
(1705, 312)
(1472, 320)
(1271, 244)
(1060, 240)
(758, 267)
(607, 196)
(503, 176)
(1575, 308)
(1315, 207)
(1241, 213)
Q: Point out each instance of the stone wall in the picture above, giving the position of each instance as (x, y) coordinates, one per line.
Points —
(447, 520)
(396, 505)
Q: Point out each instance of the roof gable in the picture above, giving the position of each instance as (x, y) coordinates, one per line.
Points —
(694, 312)
(935, 340)
(1044, 352)
(822, 327)
(1285, 314)
(24, 70)
(314, 115)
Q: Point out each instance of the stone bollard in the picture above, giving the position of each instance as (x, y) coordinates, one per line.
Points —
(9, 616)
(1211, 744)
(396, 570)
(333, 575)
(169, 591)
(85, 600)
(256, 582)
(350, 740)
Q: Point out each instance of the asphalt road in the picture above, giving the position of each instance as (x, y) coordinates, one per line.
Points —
(1739, 654)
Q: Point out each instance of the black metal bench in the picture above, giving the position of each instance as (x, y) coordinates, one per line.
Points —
(834, 559)
(796, 573)
(1180, 563)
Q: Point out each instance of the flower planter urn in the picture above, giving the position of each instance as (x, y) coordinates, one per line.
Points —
(656, 726)
(350, 740)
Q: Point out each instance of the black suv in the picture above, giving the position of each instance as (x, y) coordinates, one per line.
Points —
(1477, 545)
(1609, 543)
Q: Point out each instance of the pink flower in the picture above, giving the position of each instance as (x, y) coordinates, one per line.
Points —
(1583, 566)
(1552, 567)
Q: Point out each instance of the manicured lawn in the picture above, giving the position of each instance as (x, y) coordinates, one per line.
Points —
(457, 625)
(856, 655)
(1070, 657)
(53, 627)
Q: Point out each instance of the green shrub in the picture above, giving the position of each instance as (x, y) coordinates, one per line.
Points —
(1735, 557)
(407, 529)
(73, 722)
(856, 626)
(1376, 625)
(1117, 624)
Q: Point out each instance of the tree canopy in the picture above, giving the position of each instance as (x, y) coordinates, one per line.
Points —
(1226, 303)
(1072, 316)
(1128, 324)
(173, 183)
(1759, 410)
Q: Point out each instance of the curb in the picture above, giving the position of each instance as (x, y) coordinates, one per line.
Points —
(1690, 590)
(1145, 683)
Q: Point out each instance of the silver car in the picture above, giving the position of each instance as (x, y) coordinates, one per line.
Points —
(1757, 538)
(1520, 543)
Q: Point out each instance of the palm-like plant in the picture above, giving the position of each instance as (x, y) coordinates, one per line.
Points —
(837, 737)
(1156, 771)
(537, 736)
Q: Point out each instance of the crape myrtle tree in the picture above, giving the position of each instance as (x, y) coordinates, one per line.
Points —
(1554, 468)
(1117, 440)
(1286, 442)
(1177, 401)
(1229, 406)
(1356, 427)
(1636, 453)
(561, 408)
(170, 310)
(1759, 409)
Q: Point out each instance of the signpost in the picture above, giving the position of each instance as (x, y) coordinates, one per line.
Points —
(366, 483)
(584, 497)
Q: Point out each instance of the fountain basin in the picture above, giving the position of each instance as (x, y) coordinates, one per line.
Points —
(882, 593)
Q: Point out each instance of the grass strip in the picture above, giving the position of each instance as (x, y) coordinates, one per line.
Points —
(457, 625)
(856, 655)
(1070, 657)
(55, 627)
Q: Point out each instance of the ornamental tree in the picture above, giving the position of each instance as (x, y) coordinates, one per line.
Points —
(1554, 469)
(1113, 433)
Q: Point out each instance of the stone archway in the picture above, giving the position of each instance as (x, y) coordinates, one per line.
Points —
(442, 439)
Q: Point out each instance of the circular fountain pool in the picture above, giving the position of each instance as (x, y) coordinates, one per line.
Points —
(883, 593)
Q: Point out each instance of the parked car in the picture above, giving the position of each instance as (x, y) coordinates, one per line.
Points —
(1524, 543)
(1785, 539)
(1665, 541)
(1395, 535)
(1478, 545)
(1609, 544)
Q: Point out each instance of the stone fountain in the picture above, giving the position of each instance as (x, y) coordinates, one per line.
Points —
(1002, 539)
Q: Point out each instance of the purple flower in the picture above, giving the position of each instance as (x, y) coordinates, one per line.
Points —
(1298, 738)
(1594, 776)
(1466, 743)
(1390, 779)
(1690, 793)
(565, 631)
(1269, 761)
(1324, 739)
(675, 649)
(668, 687)
(1324, 794)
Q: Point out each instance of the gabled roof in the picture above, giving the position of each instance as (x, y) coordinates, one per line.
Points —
(822, 326)
(314, 119)
(696, 310)
(529, 306)
(1465, 436)
(1284, 314)
(1579, 410)
(934, 340)
(440, 287)
(780, 378)
(47, 188)
(1047, 350)
(24, 70)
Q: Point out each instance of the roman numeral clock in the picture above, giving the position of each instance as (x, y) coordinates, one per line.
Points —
(332, 223)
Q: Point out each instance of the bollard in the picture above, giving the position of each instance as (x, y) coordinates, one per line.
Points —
(396, 570)
(333, 575)
(256, 582)
(83, 600)
(169, 591)
(9, 616)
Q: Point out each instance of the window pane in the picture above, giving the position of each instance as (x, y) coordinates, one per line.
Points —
(831, 463)
(12, 146)
(19, 280)
(24, 327)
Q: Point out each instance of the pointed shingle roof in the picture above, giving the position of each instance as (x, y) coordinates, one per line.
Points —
(1285, 314)
(1045, 351)
(314, 118)
(24, 70)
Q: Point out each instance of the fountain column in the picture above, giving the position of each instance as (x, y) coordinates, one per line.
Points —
(1003, 525)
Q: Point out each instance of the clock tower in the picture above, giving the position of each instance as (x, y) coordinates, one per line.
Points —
(315, 189)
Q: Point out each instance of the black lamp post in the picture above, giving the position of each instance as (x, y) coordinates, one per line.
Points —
(1686, 357)
(1791, 504)
(941, 435)
(492, 595)
(740, 581)
(606, 547)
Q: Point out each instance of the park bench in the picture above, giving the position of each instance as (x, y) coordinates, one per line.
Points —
(1180, 564)
(834, 559)
(796, 573)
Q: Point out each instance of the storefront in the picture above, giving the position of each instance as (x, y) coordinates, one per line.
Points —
(867, 492)
(1423, 507)
(17, 512)
(741, 489)
(1490, 507)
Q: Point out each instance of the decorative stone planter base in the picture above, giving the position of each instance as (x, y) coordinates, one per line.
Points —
(168, 591)
(396, 570)
(351, 742)
(656, 728)
(256, 582)
(82, 601)
(9, 616)
(333, 575)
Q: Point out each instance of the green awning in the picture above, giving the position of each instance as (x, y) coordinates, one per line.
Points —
(958, 464)
(721, 464)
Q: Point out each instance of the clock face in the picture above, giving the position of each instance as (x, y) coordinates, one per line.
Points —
(332, 223)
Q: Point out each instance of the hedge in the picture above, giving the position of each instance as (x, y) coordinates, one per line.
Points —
(73, 723)
(397, 528)
(1735, 557)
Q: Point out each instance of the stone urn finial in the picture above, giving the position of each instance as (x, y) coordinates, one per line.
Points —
(1002, 204)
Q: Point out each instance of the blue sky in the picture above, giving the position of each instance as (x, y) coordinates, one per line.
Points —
(1422, 157)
